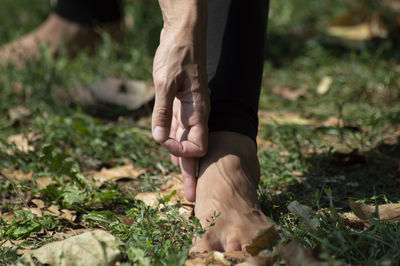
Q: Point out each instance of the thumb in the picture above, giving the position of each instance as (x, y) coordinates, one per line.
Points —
(162, 115)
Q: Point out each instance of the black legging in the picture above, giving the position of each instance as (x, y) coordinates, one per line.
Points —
(235, 54)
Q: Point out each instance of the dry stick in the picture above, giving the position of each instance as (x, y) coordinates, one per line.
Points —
(22, 199)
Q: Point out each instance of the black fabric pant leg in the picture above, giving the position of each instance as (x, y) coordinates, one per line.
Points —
(89, 12)
(235, 57)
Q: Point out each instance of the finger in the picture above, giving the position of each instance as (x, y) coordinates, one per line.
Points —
(188, 167)
(191, 143)
(175, 161)
(162, 112)
(174, 129)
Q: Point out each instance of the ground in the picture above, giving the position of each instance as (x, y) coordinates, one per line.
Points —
(329, 132)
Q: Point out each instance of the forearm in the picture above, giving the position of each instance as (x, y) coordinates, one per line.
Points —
(187, 19)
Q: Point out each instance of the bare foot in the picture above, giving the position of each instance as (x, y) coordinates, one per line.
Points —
(54, 32)
(227, 185)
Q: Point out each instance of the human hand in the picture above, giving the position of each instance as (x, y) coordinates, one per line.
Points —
(181, 109)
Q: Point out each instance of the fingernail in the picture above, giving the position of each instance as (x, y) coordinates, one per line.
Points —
(160, 133)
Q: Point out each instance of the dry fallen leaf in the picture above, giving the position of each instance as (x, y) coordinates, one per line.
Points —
(21, 141)
(296, 255)
(264, 239)
(387, 212)
(290, 94)
(70, 233)
(39, 203)
(363, 23)
(17, 176)
(12, 243)
(92, 248)
(68, 215)
(53, 210)
(185, 207)
(8, 216)
(238, 258)
(173, 184)
(333, 122)
(271, 117)
(18, 112)
(113, 174)
(128, 221)
(352, 220)
(43, 182)
(357, 32)
(21, 252)
(37, 211)
(324, 85)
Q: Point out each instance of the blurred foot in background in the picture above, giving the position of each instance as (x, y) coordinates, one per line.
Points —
(74, 24)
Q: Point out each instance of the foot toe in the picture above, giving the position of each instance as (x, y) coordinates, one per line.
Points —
(200, 245)
(233, 245)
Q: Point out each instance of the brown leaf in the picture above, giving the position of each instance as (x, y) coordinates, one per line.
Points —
(290, 94)
(362, 23)
(116, 173)
(71, 233)
(149, 198)
(296, 255)
(387, 212)
(36, 211)
(8, 216)
(211, 258)
(53, 210)
(351, 220)
(18, 112)
(264, 239)
(239, 258)
(185, 208)
(21, 252)
(21, 141)
(68, 215)
(173, 184)
(39, 203)
(271, 117)
(12, 243)
(16, 175)
(333, 122)
(128, 221)
(43, 182)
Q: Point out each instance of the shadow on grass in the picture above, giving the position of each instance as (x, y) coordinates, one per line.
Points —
(282, 49)
(372, 176)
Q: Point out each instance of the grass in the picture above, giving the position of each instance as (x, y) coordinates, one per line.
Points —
(307, 159)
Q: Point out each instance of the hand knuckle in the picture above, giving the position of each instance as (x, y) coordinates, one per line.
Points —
(162, 114)
(159, 83)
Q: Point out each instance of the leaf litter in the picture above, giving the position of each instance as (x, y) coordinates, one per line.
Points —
(386, 212)
(97, 247)
(127, 171)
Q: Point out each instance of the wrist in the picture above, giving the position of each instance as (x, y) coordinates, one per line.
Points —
(185, 17)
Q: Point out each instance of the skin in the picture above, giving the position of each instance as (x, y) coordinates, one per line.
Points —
(227, 164)
(182, 105)
(54, 32)
(228, 171)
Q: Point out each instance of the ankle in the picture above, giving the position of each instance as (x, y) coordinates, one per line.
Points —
(224, 143)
